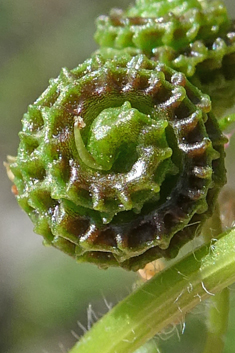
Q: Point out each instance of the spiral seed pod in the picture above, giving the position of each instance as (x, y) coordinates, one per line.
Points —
(210, 65)
(202, 58)
(216, 77)
(120, 161)
(155, 23)
(193, 37)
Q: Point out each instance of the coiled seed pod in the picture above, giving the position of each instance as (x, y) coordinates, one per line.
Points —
(154, 23)
(193, 37)
(210, 65)
(120, 161)
(201, 58)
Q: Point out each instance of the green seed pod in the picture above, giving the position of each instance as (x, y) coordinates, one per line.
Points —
(216, 75)
(193, 37)
(210, 65)
(152, 24)
(202, 58)
(120, 161)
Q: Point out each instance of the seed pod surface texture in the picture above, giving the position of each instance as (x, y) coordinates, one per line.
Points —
(120, 161)
(193, 37)
(154, 23)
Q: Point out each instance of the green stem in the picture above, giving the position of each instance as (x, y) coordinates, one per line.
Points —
(163, 300)
(219, 304)
(218, 322)
(149, 347)
(213, 227)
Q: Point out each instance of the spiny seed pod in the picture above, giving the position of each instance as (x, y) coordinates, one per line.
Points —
(216, 75)
(193, 37)
(202, 58)
(155, 23)
(210, 65)
(120, 161)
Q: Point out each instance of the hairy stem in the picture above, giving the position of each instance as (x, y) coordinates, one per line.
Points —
(219, 304)
(164, 300)
(217, 322)
(149, 347)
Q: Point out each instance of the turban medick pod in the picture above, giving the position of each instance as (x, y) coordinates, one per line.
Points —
(121, 159)
(194, 37)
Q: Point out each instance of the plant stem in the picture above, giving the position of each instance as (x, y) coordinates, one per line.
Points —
(149, 347)
(164, 300)
(218, 322)
(219, 304)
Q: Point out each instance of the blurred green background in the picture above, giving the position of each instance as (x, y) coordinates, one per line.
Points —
(45, 297)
